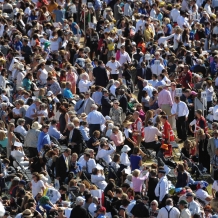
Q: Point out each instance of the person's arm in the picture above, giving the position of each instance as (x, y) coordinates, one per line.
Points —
(66, 119)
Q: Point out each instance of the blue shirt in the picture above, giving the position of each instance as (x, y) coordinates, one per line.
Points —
(216, 142)
(67, 93)
(213, 67)
(95, 117)
(84, 133)
(160, 83)
(31, 111)
(52, 131)
(96, 96)
(97, 5)
(134, 160)
(59, 15)
(74, 29)
(43, 139)
(18, 45)
(169, 29)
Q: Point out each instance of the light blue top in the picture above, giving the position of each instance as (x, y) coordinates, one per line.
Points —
(95, 117)
(67, 93)
(44, 139)
(4, 142)
(96, 96)
(52, 131)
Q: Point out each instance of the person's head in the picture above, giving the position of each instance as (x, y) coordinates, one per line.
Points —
(45, 128)
(169, 202)
(163, 118)
(136, 150)
(135, 115)
(70, 126)
(80, 201)
(187, 144)
(94, 107)
(189, 197)
(11, 127)
(119, 192)
(116, 104)
(116, 158)
(88, 198)
(180, 168)
(21, 122)
(36, 176)
(183, 204)
(115, 130)
(67, 152)
(86, 156)
(154, 205)
(161, 173)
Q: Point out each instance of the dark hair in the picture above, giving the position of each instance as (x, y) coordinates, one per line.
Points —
(62, 109)
(125, 202)
(49, 78)
(116, 158)
(135, 150)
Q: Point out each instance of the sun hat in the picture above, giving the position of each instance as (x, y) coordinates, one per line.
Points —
(16, 179)
(83, 115)
(125, 148)
(36, 125)
(164, 146)
(27, 213)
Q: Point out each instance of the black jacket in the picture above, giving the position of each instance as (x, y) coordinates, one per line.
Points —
(147, 75)
(61, 168)
(101, 78)
(140, 210)
(76, 137)
(124, 103)
(79, 212)
(105, 106)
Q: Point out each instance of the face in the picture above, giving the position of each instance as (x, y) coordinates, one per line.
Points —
(181, 206)
(173, 87)
(45, 130)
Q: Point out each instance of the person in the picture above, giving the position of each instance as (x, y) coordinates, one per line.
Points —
(162, 188)
(19, 156)
(167, 133)
(43, 139)
(95, 119)
(100, 74)
(98, 178)
(116, 113)
(212, 144)
(37, 185)
(63, 166)
(193, 206)
(105, 103)
(183, 206)
(150, 137)
(20, 128)
(52, 131)
(182, 177)
(88, 103)
(181, 112)
(169, 210)
(135, 158)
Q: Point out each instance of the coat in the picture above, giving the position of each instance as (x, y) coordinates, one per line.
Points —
(87, 106)
(211, 147)
(101, 78)
(61, 168)
(106, 106)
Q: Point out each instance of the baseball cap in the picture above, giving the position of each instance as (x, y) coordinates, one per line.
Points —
(100, 209)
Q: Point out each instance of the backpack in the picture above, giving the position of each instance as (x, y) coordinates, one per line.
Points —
(169, 211)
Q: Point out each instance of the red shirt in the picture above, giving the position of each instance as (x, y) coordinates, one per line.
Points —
(187, 79)
(166, 129)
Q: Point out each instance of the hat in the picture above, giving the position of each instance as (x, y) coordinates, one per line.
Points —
(183, 202)
(164, 146)
(190, 194)
(49, 93)
(22, 182)
(27, 213)
(16, 178)
(100, 209)
(162, 171)
(37, 100)
(125, 148)
(182, 192)
(83, 115)
(127, 123)
(5, 15)
(36, 125)
(20, 89)
(133, 43)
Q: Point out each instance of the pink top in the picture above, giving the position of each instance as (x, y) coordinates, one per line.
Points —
(164, 97)
(137, 182)
(116, 139)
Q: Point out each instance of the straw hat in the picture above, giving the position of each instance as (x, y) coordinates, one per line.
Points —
(36, 125)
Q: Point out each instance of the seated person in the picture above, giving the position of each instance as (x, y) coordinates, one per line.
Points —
(98, 178)
(67, 91)
(52, 131)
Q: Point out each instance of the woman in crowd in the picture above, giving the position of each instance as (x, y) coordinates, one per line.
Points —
(116, 113)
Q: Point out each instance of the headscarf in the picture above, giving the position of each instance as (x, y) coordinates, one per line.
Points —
(44, 200)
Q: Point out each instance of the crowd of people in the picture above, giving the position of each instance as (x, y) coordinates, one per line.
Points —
(94, 98)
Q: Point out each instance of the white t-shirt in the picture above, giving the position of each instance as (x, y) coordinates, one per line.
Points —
(113, 66)
(201, 194)
(16, 111)
(193, 123)
(53, 194)
(37, 187)
(43, 76)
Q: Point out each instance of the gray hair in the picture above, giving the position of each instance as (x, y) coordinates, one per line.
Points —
(71, 125)
(145, 82)
(84, 74)
(155, 202)
(20, 120)
(94, 106)
(79, 200)
(116, 83)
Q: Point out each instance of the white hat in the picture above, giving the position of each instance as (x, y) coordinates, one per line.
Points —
(36, 125)
(125, 148)
(41, 61)
(49, 93)
(20, 66)
(147, 57)
(108, 118)
(5, 15)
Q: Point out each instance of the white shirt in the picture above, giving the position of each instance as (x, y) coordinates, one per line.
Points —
(174, 14)
(140, 25)
(53, 194)
(183, 109)
(157, 68)
(215, 31)
(37, 187)
(176, 40)
(21, 130)
(163, 212)
(127, 10)
(163, 39)
(215, 186)
(84, 85)
(194, 208)
(201, 194)
(153, 13)
(150, 133)
(99, 180)
(162, 188)
(95, 117)
(182, 21)
(124, 159)
(113, 89)
(208, 9)
(124, 58)
(215, 112)
(91, 164)
(106, 154)
(193, 123)
(113, 66)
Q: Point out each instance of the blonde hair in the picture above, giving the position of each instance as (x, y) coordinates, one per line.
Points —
(136, 172)
(41, 92)
(9, 126)
(167, 20)
(2, 135)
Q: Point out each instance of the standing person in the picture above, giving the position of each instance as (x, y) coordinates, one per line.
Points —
(63, 119)
(44, 139)
(116, 113)
(11, 138)
(100, 74)
(151, 183)
(62, 166)
(137, 128)
(167, 133)
(88, 103)
(105, 103)
(193, 206)
(200, 122)
(181, 112)
(95, 119)
(209, 91)
(183, 206)
(165, 102)
(162, 188)
(72, 77)
(202, 144)
(113, 66)
(212, 144)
